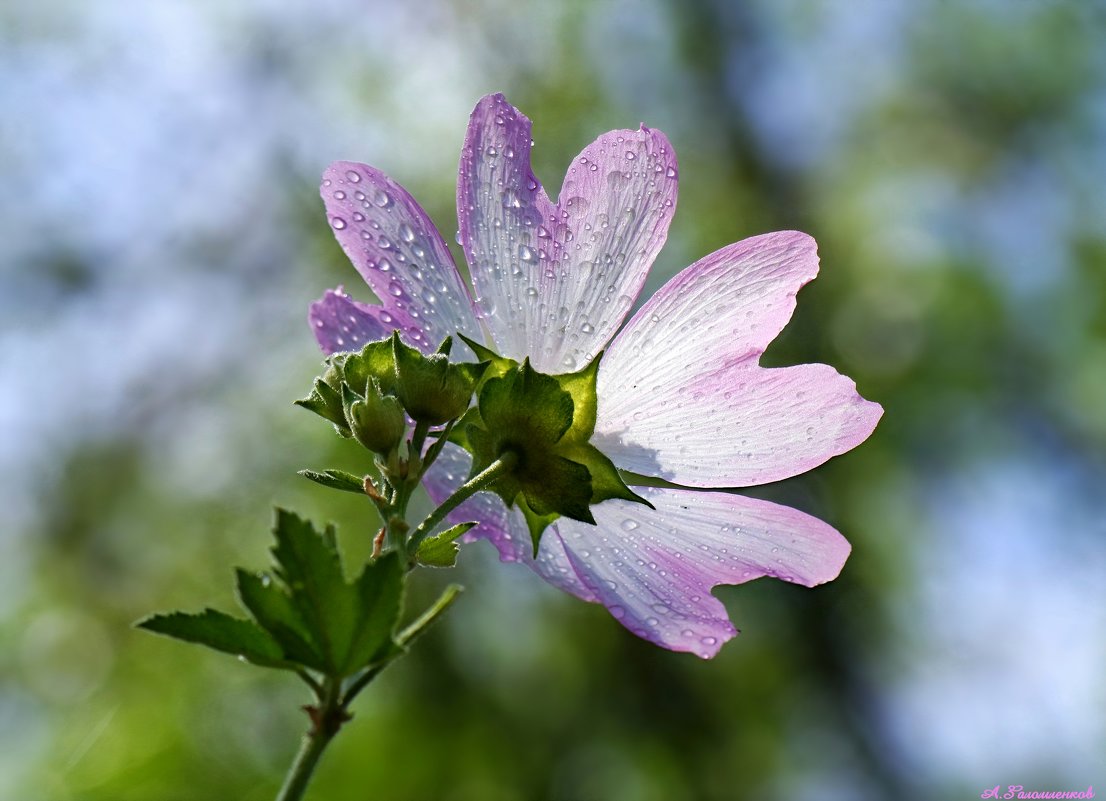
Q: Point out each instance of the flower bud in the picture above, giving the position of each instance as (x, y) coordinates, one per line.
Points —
(432, 390)
(377, 420)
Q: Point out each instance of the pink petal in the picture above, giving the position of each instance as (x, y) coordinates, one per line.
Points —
(341, 323)
(504, 528)
(398, 251)
(654, 570)
(681, 393)
(556, 281)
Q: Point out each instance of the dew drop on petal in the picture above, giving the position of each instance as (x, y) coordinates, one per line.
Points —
(630, 155)
(587, 328)
(353, 176)
(338, 223)
(629, 525)
(618, 612)
(339, 195)
(670, 172)
(709, 640)
(382, 199)
(406, 233)
(525, 253)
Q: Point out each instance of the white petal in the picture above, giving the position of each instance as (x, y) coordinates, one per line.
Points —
(681, 393)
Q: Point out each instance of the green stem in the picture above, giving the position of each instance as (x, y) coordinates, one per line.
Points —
(503, 464)
(327, 718)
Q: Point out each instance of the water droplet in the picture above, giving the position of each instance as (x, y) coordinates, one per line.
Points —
(618, 612)
(358, 217)
(384, 242)
(525, 253)
(630, 155)
(569, 363)
(429, 297)
(587, 328)
(353, 176)
(382, 199)
(670, 172)
(406, 233)
(709, 640)
(338, 223)
(395, 289)
(629, 525)
(491, 151)
(339, 195)
(531, 292)
(384, 265)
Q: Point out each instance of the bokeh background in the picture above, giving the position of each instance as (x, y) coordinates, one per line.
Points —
(161, 236)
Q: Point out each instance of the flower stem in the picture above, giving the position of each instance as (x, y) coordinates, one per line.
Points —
(503, 464)
(326, 719)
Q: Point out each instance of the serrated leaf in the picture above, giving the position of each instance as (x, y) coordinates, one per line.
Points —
(336, 479)
(379, 593)
(221, 632)
(274, 611)
(309, 565)
(441, 549)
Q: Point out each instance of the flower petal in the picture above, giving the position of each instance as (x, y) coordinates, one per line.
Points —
(505, 528)
(654, 570)
(556, 281)
(681, 393)
(398, 251)
(341, 323)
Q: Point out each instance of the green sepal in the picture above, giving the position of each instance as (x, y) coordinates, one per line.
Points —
(527, 413)
(497, 365)
(274, 611)
(221, 632)
(432, 390)
(536, 523)
(336, 479)
(441, 549)
(377, 420)
(326, 401)
(374, 360)
(547, 422)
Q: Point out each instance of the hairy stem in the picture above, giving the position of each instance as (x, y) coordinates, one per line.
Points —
(326, 719)
(503, 464)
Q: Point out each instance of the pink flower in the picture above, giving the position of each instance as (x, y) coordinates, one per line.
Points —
(681, 394)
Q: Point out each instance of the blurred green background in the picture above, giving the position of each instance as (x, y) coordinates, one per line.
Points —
(161, 236)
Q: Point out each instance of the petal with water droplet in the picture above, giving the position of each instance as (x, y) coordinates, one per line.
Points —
(341, 323)
(588, 254)
(398, 251)
(681, 392)
(659, 574)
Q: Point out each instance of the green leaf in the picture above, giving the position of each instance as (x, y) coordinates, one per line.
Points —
(379, 594)
(223, 633)
(274, 611)
(441, 549)
(309, 565)
(336, 479)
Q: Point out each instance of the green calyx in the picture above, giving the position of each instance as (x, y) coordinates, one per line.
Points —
(432, 390)
(545, 422)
